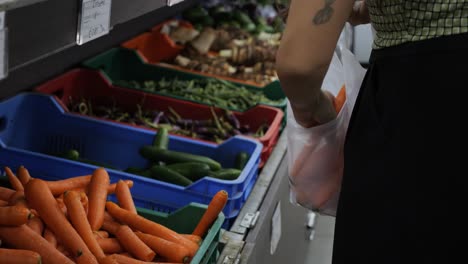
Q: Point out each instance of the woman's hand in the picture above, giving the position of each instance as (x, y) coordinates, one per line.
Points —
(360, 14)
(317, 113)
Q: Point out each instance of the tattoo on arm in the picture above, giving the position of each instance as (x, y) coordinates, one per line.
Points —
(324, 15)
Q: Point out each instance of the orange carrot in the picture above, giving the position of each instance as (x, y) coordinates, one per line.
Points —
(194, 238)
(101, 234)
(19, 256)
(59, 187)
(79, 221)
(84, 201)
(124, 197)
(146, 226)
(110, 245)
(14, 215)
(50, 237)
(111, 226)
(23, 175)
(19, 199)
(23, 237)
(340, 99)
(133, 244)
(41, 198)
(62, 206)
(111, 188)
(215, 207)
(97, 196)
(108, 260)
(122, 259)
(108, 217)
(6, 193)
(36, 225)
(171, 251)
(3, 203)
(14, 181)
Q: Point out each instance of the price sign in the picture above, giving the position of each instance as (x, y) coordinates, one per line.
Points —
(94, 20)
(173, 2)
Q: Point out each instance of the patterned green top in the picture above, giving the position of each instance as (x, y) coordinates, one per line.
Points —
(400, 21)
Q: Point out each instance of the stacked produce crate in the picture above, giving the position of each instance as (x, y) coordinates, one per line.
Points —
(189, 108)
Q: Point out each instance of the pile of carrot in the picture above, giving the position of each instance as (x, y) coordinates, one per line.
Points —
(71, 221)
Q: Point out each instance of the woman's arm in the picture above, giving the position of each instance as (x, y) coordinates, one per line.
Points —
(306, 50)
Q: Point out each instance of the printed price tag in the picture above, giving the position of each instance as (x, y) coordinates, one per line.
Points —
(3, 53)
(94, 20)
(173, 2)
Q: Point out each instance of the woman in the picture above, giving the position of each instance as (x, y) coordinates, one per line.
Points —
(401, 177)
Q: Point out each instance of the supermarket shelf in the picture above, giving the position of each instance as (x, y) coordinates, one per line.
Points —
(42, 36)
(12, 4)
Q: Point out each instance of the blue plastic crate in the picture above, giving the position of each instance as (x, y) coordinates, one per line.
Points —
(35, 125)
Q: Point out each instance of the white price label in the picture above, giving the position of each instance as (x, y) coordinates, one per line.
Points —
(3, 53)
(173, 2)
(94, 20)
(275, 229)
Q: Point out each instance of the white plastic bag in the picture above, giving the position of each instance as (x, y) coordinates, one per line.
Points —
(315, 155)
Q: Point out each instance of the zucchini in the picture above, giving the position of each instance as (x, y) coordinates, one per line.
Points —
(161, 140)
(191, 170)
(241, 159)
(226, 174)
(165, 174)
(168, 156)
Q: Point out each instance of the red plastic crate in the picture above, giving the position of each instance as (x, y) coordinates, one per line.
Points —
(89, 84)
(155, 46)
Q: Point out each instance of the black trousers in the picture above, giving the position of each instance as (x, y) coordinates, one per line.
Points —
(404, 189)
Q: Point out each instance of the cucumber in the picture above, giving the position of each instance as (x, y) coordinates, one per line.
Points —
(191, 170)
(161, 140)
(72, 154)
(226, 174)
(241, 159)
(168, 156)
(138, 171)
(165, 174)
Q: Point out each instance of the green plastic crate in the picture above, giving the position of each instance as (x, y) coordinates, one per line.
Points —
(125, 64)
(184, 221)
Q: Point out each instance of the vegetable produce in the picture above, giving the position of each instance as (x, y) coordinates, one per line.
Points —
(173, 122)
(211, 91)
(173, 252)
(215, 206)
(14, 215)
(340, 99)
(133, 244)
(97, 193)
(78, 218)
(191, 170)
(40, 198)
(68, 237)
(168, 175)
(124, 196)
(19, 256)
(148, 227)
(170, 156)
(22, 237)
